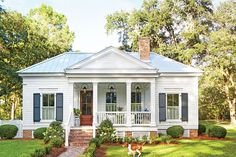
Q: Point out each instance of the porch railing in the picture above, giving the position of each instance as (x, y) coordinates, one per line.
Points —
(117, 118)
(120, 118)
(140, 118)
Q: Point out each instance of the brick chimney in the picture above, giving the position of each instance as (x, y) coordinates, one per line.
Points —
(144, 49)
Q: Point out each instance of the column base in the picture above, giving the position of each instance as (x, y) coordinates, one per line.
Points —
(153, 133)
(128, 134)
(193, 133)
(27, 134)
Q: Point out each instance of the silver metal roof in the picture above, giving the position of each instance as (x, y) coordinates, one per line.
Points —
(60, 62)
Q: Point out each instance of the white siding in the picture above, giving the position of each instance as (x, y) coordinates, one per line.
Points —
(45, 85)
(179, 85)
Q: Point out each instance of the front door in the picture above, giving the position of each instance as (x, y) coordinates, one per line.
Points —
(86, 106)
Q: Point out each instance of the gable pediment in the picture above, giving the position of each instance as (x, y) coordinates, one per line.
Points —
(110, 59)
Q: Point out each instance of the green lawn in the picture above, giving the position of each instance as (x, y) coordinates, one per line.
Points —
(15, 148)
(187, 148)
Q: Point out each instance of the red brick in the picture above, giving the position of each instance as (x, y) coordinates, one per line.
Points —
(27, 133)
(144, 48)
(193, 133)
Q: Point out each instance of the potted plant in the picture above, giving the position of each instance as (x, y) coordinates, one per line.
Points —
(77, 114)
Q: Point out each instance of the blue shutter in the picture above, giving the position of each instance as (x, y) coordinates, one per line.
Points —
(59, 106)
(162, 106)
(36, 110)
(184, 98)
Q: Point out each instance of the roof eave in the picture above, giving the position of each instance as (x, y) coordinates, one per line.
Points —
(42, 74)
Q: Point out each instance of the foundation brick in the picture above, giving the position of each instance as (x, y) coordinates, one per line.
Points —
(128, 134)
(193, 133)
(27, 133)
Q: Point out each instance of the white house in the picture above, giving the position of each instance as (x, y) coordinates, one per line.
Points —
(141, 93)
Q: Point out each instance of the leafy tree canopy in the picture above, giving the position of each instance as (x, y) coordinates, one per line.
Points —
(26, 40)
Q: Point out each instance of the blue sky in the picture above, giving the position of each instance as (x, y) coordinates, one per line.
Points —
(86, 18)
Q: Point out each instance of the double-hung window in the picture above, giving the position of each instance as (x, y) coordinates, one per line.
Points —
(48, 107)
(173, 107)
(111, 99)
(136, 101)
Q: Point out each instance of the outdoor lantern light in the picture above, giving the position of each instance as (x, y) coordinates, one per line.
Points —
(111, 87)
(84, 87)
(137, 88)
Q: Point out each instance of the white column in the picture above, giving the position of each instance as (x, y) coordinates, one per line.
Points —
(128, 102)
(153, 102)
(95, 106)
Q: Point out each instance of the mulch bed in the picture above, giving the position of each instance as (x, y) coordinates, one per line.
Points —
(56, 152)
(206, 137)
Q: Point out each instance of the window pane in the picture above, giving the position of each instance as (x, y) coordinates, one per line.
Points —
(113, 97)
(138, 97)
(173, 99)
(172, 106)
(45, 99)
(108, 97)
(133, 97)
(51, 100)
(48, 109)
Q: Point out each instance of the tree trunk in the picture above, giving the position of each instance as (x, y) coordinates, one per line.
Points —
(13, 108)
(232, 112)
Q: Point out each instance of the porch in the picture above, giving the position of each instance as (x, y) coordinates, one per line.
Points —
(124, 103)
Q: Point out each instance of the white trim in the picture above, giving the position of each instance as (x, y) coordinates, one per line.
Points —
(41, 108)
(186, 74)
(180, 108)
(113, 80)
(112, 75)
(111, 71)
(41, 74)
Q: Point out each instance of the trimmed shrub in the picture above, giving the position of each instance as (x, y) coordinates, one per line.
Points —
(201, 129)
(57, 142)
(39, 133)
(98, 141)
(217, 131)
(175, 131)
(8, 131)
(106, 123)
(106, 131)
(55, 130)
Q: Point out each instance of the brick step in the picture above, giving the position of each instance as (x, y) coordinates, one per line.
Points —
(89, 133)
(75, 140)
(75, 144)
(80, 137)
(80, 142)
(81, 134)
